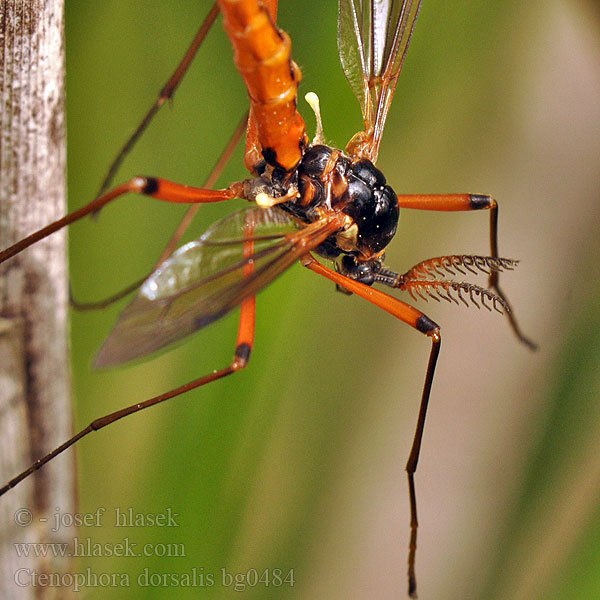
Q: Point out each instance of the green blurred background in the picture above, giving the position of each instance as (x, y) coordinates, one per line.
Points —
(298, 462)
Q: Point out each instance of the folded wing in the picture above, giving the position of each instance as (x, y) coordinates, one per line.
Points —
(373, 36)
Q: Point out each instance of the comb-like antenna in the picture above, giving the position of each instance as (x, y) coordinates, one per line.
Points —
(427, 280)
(465, 292)
(434, 267)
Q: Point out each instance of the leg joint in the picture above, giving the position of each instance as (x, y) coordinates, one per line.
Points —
(427, 326)
(242, 355)
(481, 201)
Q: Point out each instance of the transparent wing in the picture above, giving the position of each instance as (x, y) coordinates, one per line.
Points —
(373, 36)
(207, 278)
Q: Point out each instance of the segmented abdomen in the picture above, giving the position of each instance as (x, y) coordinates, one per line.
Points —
(262, 54)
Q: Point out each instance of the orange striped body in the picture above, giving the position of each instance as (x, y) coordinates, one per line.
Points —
(262, 54)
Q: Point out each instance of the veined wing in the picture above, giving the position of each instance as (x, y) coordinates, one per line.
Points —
(205, 279)
(373, 36)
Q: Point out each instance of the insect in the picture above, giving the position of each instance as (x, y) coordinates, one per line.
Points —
(308, 200)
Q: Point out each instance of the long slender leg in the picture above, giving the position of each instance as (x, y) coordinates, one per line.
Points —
(161, 189)
(465, 202)
(165, 94)
(243, 349)
(415, 318)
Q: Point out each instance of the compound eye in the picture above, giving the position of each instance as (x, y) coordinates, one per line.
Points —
(366, 171)
(315, 160)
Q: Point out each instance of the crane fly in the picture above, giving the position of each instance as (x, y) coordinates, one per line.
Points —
(308, 202)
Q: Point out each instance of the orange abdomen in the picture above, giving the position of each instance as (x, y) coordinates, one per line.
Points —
(262, 54)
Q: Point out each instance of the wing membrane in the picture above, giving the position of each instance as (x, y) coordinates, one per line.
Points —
(373, 36)
(205, 279)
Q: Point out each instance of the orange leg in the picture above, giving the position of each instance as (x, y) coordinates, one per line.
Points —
(464, 202)
(161, 189)
(415, 318)
(243, 348)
